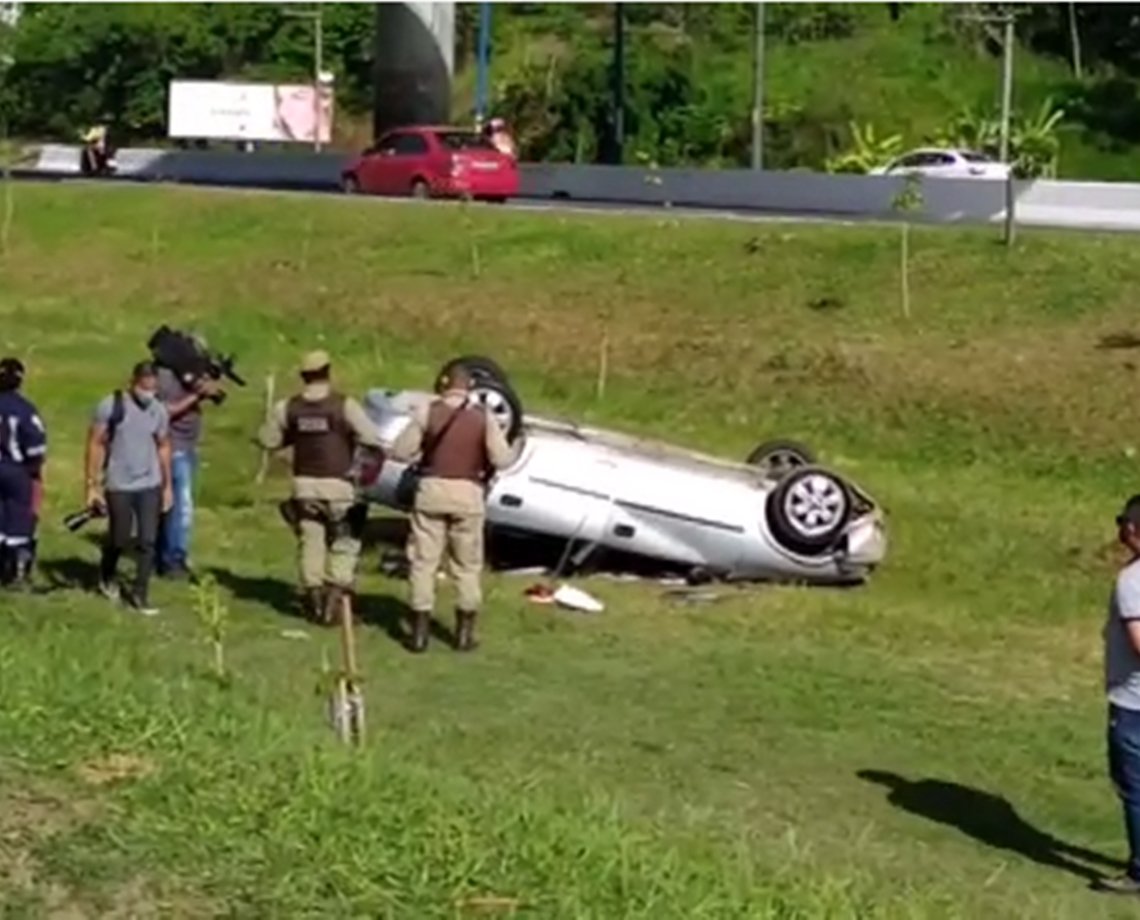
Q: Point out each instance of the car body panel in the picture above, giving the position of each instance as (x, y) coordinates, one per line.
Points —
(944, 163)
(452, 162)
(686, 509)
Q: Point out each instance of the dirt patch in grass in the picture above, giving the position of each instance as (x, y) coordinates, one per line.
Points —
(114, 768)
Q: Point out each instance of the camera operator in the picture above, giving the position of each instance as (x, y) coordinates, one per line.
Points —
(184, 405)
(128, 474)
(23, 443)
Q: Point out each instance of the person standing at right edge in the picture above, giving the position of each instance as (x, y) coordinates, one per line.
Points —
(128, 474)
(459, 445)
(1122, 684)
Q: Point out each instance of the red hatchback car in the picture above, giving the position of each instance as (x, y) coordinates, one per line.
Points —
(428, 162)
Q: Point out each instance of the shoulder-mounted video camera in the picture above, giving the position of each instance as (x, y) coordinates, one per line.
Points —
(191, 361)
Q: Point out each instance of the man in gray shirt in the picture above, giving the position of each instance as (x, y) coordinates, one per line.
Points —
(128, 474)
(184, 405)
(1122, 685)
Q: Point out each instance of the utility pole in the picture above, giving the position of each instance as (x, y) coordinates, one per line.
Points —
(318, 73)
(758, 92)
(482, 62)
(1006, 18)
(619, 83)
(320, 78)
(1075, 40)
(1006, 82)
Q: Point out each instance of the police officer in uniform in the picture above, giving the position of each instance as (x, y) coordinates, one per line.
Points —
(23, 445)
(458, 445)
(323, 428)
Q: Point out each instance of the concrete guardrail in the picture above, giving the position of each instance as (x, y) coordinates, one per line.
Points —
(1087, 205)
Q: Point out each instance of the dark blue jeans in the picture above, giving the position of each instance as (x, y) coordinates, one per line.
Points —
(1124, 768)
(177, 525)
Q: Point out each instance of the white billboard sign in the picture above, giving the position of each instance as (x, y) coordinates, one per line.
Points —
(211, 109)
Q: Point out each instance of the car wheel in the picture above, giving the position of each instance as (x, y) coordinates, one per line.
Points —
(350, 185)
(808, 510)
(778, 458)
(480, 367)
(420, 189)
(502, 404)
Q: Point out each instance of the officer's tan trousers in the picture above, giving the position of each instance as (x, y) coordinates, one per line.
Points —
(328, 552)
(460, 536)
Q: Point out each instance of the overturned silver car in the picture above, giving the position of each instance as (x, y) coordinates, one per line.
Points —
(777, 516)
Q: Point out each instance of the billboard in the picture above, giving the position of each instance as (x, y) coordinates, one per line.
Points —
(219, 110)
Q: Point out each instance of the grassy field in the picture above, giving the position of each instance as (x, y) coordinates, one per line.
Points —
(929, 746)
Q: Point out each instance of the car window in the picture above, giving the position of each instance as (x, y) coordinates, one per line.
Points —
(911, 159)
(972, 157)
(408, 145)
(464, 140)
(942, 159)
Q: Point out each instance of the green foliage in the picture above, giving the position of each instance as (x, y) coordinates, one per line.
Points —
(689, 76)
(76, 64)
(1034, 142)
(868, 151)
(213, 617)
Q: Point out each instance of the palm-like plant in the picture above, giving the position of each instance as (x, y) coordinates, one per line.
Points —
(867, 151)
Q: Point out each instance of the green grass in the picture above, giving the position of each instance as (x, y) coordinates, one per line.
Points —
(652, 761)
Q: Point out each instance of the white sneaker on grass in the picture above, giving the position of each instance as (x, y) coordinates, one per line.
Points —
(143, 608)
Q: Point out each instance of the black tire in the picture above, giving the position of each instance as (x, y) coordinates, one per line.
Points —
(420, 189)
(781, 456)
(349, 184)
(808, 511)
(481, 367)
(503, 403)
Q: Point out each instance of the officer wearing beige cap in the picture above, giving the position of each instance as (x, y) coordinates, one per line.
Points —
(323, 427)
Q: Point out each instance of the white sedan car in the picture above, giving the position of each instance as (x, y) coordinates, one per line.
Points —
(938, 163)
(777, 516)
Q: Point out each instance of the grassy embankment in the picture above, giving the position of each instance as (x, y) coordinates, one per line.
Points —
(653, 761)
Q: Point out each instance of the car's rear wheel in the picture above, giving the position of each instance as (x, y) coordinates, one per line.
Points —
(779, 457)
(501, 403)
(480, 367)
(808, 510)
(350, 185)
(420, 189)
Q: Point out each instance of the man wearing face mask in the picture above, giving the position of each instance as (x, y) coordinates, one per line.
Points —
(128, 475)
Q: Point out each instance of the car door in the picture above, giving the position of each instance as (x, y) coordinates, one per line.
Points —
(944, 166)
(370, 173)
(407, 163)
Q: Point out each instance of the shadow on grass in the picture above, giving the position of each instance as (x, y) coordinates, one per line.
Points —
(69, 574)
(381, 611)
(989, 819)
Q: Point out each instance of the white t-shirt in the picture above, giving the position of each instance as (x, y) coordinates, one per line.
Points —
(1121, 660)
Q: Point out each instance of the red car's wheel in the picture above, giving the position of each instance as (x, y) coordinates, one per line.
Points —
(350, 185)
(421, 189)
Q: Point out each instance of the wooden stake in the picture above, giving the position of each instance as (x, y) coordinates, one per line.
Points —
(349, 700)
(270, 386)
(9, 212)
(905, 248)
(603, 361)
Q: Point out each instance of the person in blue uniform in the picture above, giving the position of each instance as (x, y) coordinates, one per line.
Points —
(23, 446)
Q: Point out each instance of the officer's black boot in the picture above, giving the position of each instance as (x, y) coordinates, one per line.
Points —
(7, 566)
(421, 628)
(465, 631)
